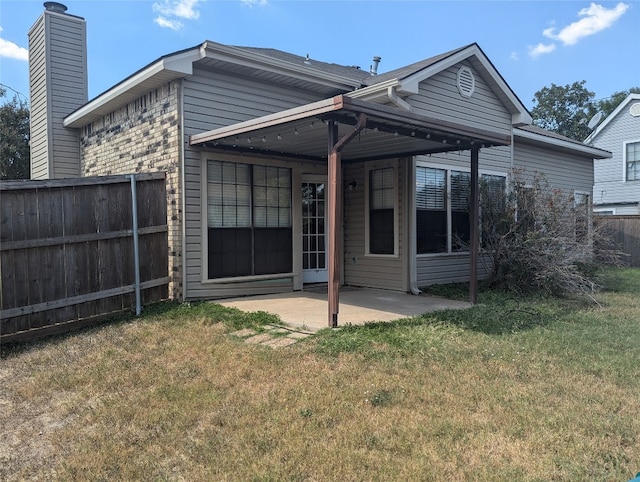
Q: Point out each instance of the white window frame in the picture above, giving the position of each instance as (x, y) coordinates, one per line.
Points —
(605, 211)
(204, 271)
(624, 160)
(372, 167)
(589, 196)
(448, 168)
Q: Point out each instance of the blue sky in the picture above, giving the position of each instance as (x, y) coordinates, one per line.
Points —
(531, 43)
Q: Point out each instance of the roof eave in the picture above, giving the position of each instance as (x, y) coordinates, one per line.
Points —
(582, 149)
(248, 58)
(180, 65)
(173, 67)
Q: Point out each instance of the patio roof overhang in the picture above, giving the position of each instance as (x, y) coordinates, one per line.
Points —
(389, 132)
(343, 129)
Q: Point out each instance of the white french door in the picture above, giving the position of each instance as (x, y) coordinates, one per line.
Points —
(314, 235)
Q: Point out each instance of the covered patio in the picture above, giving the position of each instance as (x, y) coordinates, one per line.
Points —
(308, 309)
(341, 130)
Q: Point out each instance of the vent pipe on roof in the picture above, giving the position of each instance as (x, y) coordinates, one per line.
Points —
(373, 70)
(55, 7)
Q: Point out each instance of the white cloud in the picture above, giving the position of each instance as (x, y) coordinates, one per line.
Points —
(537, 50)
(254, 3)
(11, 50)
(514, 56)
(595, 18)
(166, 23)
(178, 8)
(172, 10)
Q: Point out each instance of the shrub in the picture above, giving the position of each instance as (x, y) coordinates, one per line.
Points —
(540, 238)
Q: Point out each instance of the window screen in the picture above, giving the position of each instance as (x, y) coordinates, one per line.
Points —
(431, 210)
(381, 211)
(248, 219)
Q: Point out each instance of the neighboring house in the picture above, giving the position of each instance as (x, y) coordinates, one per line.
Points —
(616, 188)
(283, 170)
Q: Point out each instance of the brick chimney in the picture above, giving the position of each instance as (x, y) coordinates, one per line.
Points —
(57, 86)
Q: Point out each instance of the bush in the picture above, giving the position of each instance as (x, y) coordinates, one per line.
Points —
(540, 238)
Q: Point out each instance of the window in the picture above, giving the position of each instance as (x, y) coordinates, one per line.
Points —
(460, 208)
(582, 211)
(493, 204)
(381, 211)
(431, 210)
(443, 204)
(632, 160)
(248, 219)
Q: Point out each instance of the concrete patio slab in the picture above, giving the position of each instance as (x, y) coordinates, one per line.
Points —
(308, 308)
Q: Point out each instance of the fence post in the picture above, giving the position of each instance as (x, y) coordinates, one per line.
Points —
(136, 250)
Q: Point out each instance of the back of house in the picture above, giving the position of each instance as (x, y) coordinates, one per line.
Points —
(254, 141)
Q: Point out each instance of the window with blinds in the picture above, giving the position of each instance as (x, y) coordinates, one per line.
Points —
(381, 211)
(431, 210)
(443, 201)
(460, 195)
(248, 219)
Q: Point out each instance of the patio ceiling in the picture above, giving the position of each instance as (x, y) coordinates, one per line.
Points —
(301, 133)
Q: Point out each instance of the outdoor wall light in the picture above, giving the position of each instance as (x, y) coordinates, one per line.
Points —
(352, 185)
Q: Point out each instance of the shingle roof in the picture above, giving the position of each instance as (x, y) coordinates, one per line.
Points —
(410, 69)
(351, 72)
(543, 132)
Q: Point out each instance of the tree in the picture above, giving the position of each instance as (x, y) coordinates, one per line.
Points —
(608, 105)
(14, 139)
(565, 110)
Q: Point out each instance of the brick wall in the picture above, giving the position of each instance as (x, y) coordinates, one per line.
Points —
(143, 136)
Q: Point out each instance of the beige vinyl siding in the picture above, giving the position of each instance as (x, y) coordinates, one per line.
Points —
(38, 99)
(439, 97)
(212, 100)
(561, 170)
(448, 268)
(494, 159)
(360, 269)
(58, 70)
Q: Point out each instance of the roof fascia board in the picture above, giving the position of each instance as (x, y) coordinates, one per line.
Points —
(621, 106)
(181, 64)
(246, 58)
(579, 148)
(375, 91)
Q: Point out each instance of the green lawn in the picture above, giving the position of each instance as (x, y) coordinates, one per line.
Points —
(511, 389)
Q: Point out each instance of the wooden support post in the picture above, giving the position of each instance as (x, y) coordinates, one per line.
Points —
(474, 233)
(334, 224)
(335, 210)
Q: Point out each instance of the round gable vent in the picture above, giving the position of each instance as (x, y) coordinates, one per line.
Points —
(634, 110)
(466, 82)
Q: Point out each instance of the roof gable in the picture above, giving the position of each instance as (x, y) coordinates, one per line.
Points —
(610, 118)
(405, 80)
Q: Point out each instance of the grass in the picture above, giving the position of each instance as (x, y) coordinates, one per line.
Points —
(512, 389)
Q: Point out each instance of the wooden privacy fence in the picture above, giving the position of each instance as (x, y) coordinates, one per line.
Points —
(67, 251)
(626, 234)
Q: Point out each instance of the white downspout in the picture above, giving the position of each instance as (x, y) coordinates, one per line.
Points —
(413, 249)
(393, 97)
(183, 185)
